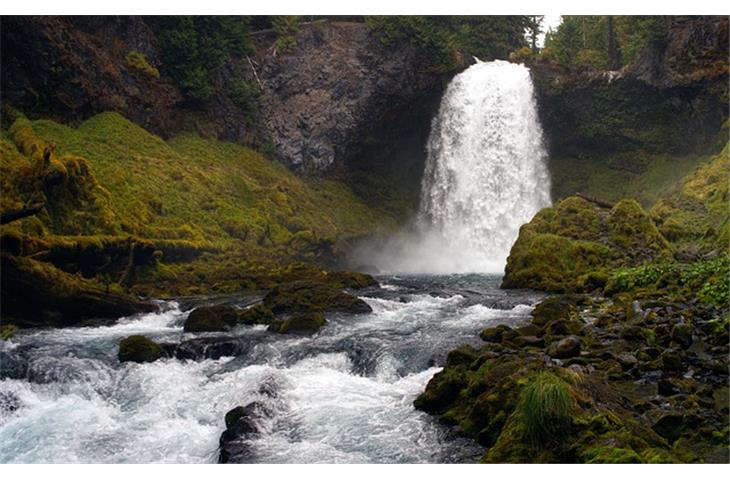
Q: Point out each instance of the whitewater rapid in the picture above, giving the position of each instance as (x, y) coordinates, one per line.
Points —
(485, 176)
(343, 395)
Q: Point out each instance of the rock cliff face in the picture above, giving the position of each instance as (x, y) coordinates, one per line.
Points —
(318, 104)
(339, 84)
(69, 69)
(645, 120)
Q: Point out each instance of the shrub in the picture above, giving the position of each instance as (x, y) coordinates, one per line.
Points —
(546, 406)
(286, 27)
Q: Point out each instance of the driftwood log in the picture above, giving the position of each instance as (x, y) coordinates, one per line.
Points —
(594, 200)
(17, 214)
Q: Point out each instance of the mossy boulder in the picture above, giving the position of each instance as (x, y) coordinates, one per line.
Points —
(561, 308)
(302, 323)
(498, 333)
(632, 231)
(571, 246)
(214, 318)
(441, 390)
(139, 349)
(305, 296)
(255, 315)
(565, 348)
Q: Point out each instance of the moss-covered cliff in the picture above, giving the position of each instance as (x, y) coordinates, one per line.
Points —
(123, 210)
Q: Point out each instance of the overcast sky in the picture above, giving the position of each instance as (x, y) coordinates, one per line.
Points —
(550, 21)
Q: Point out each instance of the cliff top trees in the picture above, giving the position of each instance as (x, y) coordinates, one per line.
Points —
(605, 42)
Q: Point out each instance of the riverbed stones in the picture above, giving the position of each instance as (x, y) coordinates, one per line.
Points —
(303, 323)
(637, 387)
(682, 334)
(255, 315)
(566, 348)
(139, 349)
(495, 334)
(215, 318)
(560, 308)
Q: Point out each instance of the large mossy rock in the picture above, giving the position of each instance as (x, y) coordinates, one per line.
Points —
(216, 318)
(139, 349)
(571, 246)
(306, 296)
(38, 294)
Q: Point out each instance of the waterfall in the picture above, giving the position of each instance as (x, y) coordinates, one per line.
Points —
(485, 175)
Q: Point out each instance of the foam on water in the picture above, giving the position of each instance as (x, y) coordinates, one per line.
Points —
(342, 395)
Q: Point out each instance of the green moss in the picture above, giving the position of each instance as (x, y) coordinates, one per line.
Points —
(611, 454)
(552, 263)
(305, 296)
(256, 315)
(572, 246)
(186, 196)
(630, 228)
(138, 348)
(7, 330)
(137, 61)
(441, 390)
(696, 210)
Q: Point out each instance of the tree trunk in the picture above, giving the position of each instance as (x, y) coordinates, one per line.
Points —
(614, 55)
(27, 211)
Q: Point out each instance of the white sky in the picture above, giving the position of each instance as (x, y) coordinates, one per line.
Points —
(550, 21)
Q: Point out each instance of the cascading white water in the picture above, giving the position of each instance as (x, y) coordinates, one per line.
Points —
(485, 175)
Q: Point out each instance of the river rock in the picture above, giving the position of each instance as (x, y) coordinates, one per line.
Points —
(554, 308)
(495, 334)
(682, 334)
(565, 348)
(138, 348)
(214, 318)
(209, 347)
(527, 341)
(255, 315)
(313, 296)
(304, 323)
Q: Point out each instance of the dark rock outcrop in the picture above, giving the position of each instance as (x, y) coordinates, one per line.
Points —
(245, 423)
(305, 323)
(320, 103)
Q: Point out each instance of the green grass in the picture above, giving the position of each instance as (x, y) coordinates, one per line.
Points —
(546, 407)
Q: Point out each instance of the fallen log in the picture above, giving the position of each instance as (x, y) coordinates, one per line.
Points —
(594, 200)
(17, 214)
